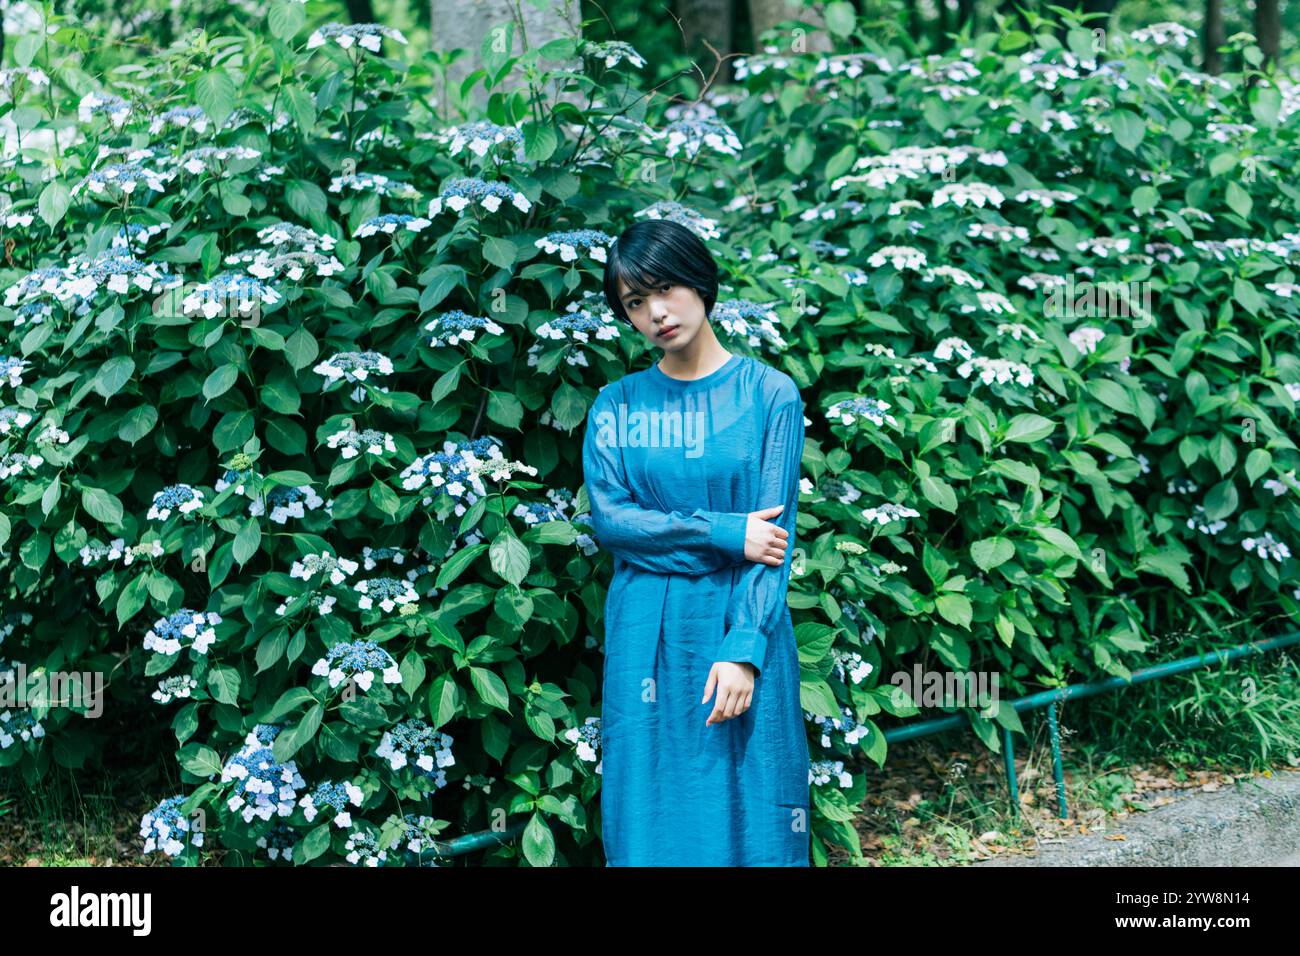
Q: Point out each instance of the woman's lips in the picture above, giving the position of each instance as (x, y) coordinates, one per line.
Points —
(668, 332)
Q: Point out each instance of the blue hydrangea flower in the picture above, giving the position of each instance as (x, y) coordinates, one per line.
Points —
(196, 627)
(821, 772)
(354, 366)
(574, 328)
(479, 137)
(754, 323)
(575, 243)
(461, 192)
(326, 565)
(851, 410)
(413, 743)
(174, 688)
(264, 787)
(165, 830)
(279, 841)
(389, 223)
(388, 593)
(454, 327)
(359, 660)
(363, 849)
(587, 738)
(286, 503)
(332, 796)
(183, 498)
(368, 36)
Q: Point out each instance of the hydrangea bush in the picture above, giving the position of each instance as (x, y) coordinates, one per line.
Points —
(295, 370)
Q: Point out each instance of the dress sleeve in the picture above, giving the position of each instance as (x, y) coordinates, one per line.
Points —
(665, 542)
(759, 597)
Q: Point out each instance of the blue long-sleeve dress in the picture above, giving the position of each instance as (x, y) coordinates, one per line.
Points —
(672, 469)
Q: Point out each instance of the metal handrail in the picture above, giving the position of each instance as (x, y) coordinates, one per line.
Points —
(924, 728)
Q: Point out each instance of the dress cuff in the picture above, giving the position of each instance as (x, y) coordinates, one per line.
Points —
(728, 534)
(744, 645)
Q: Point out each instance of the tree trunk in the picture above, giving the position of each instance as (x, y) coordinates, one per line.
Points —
(707, 20)
(1268, 28)
(966, 15)
(451, 26)
(361, 11)
(1212, 37)
(765, 14)
(1016, 9)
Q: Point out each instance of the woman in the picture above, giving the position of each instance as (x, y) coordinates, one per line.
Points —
(692, 472)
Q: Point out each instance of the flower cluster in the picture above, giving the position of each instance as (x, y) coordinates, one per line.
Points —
(884, 514)
(482, 136)
(354, 442)
(196, 629)
(868, 409)
(413, 743)
(333, 796)
(165, 830)
(587, 738)
(368, 36)
(286, 503)
(573, 244)
(357, 660)
(846, 724)
(459, 193)
(388, 593)
(264, 787)
(183, 498)
(574, 328)
(454, 327)
(754, 323)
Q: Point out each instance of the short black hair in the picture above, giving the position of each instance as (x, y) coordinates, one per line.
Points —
(655, 251)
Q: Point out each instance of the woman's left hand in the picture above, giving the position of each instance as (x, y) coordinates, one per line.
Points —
(735, 684)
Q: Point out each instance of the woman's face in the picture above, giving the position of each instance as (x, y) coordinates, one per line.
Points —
(662, 308)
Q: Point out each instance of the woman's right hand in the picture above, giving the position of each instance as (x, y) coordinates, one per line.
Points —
(764, 541)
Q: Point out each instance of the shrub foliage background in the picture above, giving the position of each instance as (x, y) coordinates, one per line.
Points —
(244, 424)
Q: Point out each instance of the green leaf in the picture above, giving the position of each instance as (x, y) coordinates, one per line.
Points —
(939, 493)
(285, 20)
(499, 252)
(509, 557)
(220, 381)
(568, 407)
(1238, 199)
(988, 553)
(54, 202)
(538, 842)
(132, 599)
(1061, 540)
(301, 349)
(223, 684)
(840, 18)
(113, 375)
(800, 155)
(453, 567)
(1029, 428)
(954, 608)
(50, 499)
(505, 409)
(316, 842)
(137, 423)
(491, 688)
(102, 506)
(1257, 463)
(199, 760)
(247, 541)
(1127, 128)
(214, 91)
